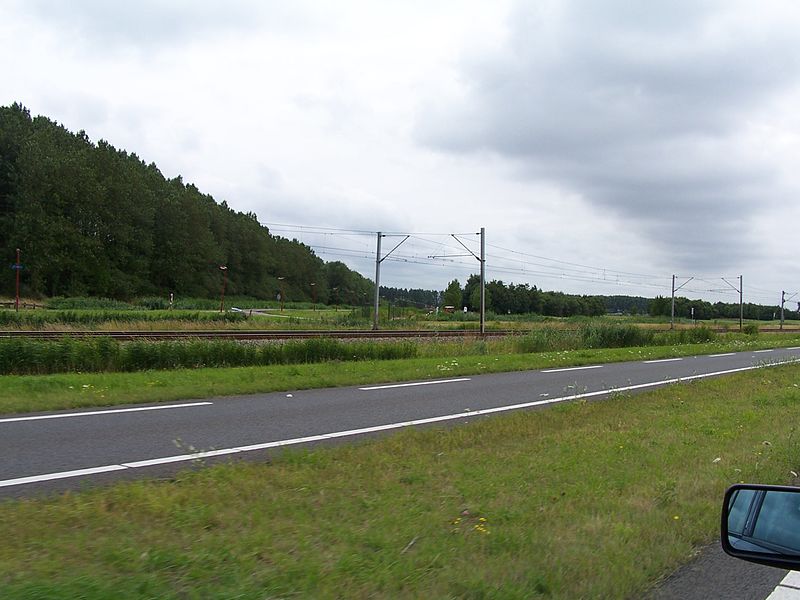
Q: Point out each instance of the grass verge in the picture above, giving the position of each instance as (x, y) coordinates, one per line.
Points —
(30, 393)
(585, 500)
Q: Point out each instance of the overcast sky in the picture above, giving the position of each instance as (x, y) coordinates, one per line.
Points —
(603, 144)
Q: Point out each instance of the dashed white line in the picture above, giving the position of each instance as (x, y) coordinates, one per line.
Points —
(720, 355)
(572, 369)
(103, 412)
(401, 385)
(364, 430)
(761, 351)
(661, 360)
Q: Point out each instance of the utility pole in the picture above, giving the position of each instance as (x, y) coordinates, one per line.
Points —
(483, 281)
(17, 267)
(377, 282)
(741, 304)
(481, 259)
(741, 301)
(675, 289)
(378, 261)
(783, 300)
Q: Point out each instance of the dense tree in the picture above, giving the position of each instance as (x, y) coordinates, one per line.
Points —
(94, 220)
(452, 294)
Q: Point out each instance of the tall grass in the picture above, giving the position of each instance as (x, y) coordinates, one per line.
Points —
(607, 335)
(19, 356)
(90, 318)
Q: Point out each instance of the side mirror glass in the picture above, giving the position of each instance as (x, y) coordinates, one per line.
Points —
(761, 523)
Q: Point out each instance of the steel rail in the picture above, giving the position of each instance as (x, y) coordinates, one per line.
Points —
(244, 335)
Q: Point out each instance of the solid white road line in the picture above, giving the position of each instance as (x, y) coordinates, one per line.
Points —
(401, 385)
(61, 475)
(103, 412)
(572, 369)
(788, 588)
(650, 362)
(363, 430)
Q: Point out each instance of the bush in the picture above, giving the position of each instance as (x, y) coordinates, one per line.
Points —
(548, 340)
(87, 304)
(750, 329)
(615, 336)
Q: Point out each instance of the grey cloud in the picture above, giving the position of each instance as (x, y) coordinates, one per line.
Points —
(107, 25)
(638, 107)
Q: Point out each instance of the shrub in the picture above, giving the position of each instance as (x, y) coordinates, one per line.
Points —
(750, 329)
(615, 336)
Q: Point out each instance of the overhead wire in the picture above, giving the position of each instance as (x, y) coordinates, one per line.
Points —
(507, 261)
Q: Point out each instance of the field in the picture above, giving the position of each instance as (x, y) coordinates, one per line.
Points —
(72, 314)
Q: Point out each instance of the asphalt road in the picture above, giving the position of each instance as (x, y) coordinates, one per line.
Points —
(66, 450)
(50, 452)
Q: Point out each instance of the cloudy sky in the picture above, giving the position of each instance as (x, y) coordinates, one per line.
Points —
(604, 144)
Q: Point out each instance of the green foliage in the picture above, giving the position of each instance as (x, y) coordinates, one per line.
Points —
(452, 295)
(80, 303)
(548, 339)
(38, 319)
(23, 356)
(594, 335)
(703, 310)
(695, 335)
(615, 336)
(92, 220)
(750, 329)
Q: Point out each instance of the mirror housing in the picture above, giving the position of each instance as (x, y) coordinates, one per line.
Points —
(761, 524)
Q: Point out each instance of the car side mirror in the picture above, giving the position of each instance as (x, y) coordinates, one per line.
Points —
(761, 524)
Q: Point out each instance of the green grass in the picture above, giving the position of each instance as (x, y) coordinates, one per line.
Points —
(586, 500)
(29, 393)
(22, 356)
(121, 319)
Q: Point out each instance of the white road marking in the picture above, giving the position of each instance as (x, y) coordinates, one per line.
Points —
(572, 369)
(363, 430)
(650, 362)
(400, 385)
(719, 355)
(103, 412)
(61, 475)
(794, 348)
(788, 588)
(760, 351)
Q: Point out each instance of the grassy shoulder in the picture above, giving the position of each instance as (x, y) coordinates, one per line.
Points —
(620, 491)
(31, 393)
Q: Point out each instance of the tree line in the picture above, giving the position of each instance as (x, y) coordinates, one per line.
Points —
(502, 298)
(703, 311)
(92, 220)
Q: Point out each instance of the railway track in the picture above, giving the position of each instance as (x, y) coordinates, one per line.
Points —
(243, 335)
